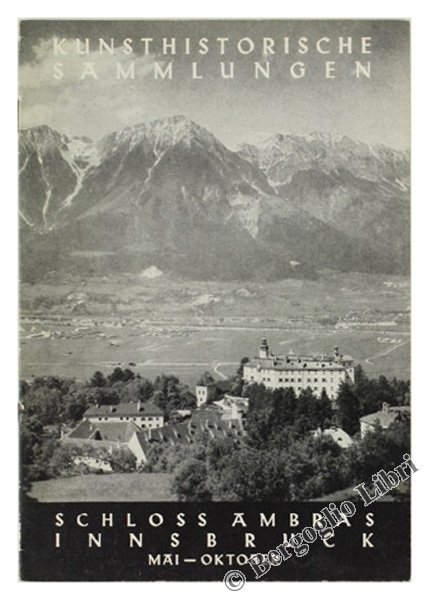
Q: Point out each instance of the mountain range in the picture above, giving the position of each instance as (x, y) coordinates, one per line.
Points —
(169, 194)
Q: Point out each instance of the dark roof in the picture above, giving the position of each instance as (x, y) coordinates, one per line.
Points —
(206, 415)
(173, 434)
(133, 409)
(284, 363)
(177, 433)
(111, 432)
(298, 362)
(385, 417)
(84, 429)
(203, 421)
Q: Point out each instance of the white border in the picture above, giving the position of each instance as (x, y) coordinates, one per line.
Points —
(420, 169)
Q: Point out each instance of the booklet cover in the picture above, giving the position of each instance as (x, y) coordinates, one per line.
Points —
(214, 300)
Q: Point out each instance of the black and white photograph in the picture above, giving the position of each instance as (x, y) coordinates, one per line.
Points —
(215, 308)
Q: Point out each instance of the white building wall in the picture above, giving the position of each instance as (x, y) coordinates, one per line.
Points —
(316, 379)
(93, 463)
(365, 428)
(202, 394)
(143, 421)
(136, 449)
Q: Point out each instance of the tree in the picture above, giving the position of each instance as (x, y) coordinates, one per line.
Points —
(205, 379)
(284, 407)
(380, 449)
(307, 414)
(44, 402)
(401, 390)
(348, 409)
(315, 467)
(238, 383)
(164, 458)
(237, 387)
(373, 392)
(47, 398)
(324, 410)
(280, 413)
(119, 375)
(253, 475)
(23, 388)
(108, 395)
(98, 380)
(258, 395)
(305, 468)
(170, 394)
(30, 430)
(46, 459)
(243, 362)
(122, 460)
(166, 384)
(136, 389)
(360, 377)
(218, 453)
(259, 427)
(160, 400)
(189, 483)
(75, 405)
(53, 383)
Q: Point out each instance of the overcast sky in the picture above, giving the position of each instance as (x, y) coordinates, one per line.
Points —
(235, 110)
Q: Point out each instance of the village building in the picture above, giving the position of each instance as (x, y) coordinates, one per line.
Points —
(108, 427)
(339, 436)
(214, 421)
(205, 393)
(234, 408)
(324, 372)
(138, 425)
(89, 436)
(383, 418)
(144, 414)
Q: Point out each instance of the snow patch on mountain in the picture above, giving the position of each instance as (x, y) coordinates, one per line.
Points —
(48, 190)
(81, 155)
(247, 210)
(151, 273)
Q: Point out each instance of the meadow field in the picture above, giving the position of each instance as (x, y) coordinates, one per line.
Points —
(118, 487)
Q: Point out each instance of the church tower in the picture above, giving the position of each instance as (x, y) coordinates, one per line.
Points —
(264, 349)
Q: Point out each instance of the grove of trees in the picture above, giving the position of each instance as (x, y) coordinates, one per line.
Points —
(48, 404)
(280, 458)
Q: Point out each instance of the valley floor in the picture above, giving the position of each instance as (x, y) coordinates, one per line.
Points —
(72, 329)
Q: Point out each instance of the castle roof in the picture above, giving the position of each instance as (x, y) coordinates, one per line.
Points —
(299, 363)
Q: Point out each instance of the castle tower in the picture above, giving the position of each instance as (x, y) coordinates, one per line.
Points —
(264, 349)
(205, 393)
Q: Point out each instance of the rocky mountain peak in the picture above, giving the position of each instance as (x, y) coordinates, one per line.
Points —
(168, 192)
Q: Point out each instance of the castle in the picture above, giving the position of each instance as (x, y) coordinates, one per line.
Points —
(300, 371)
